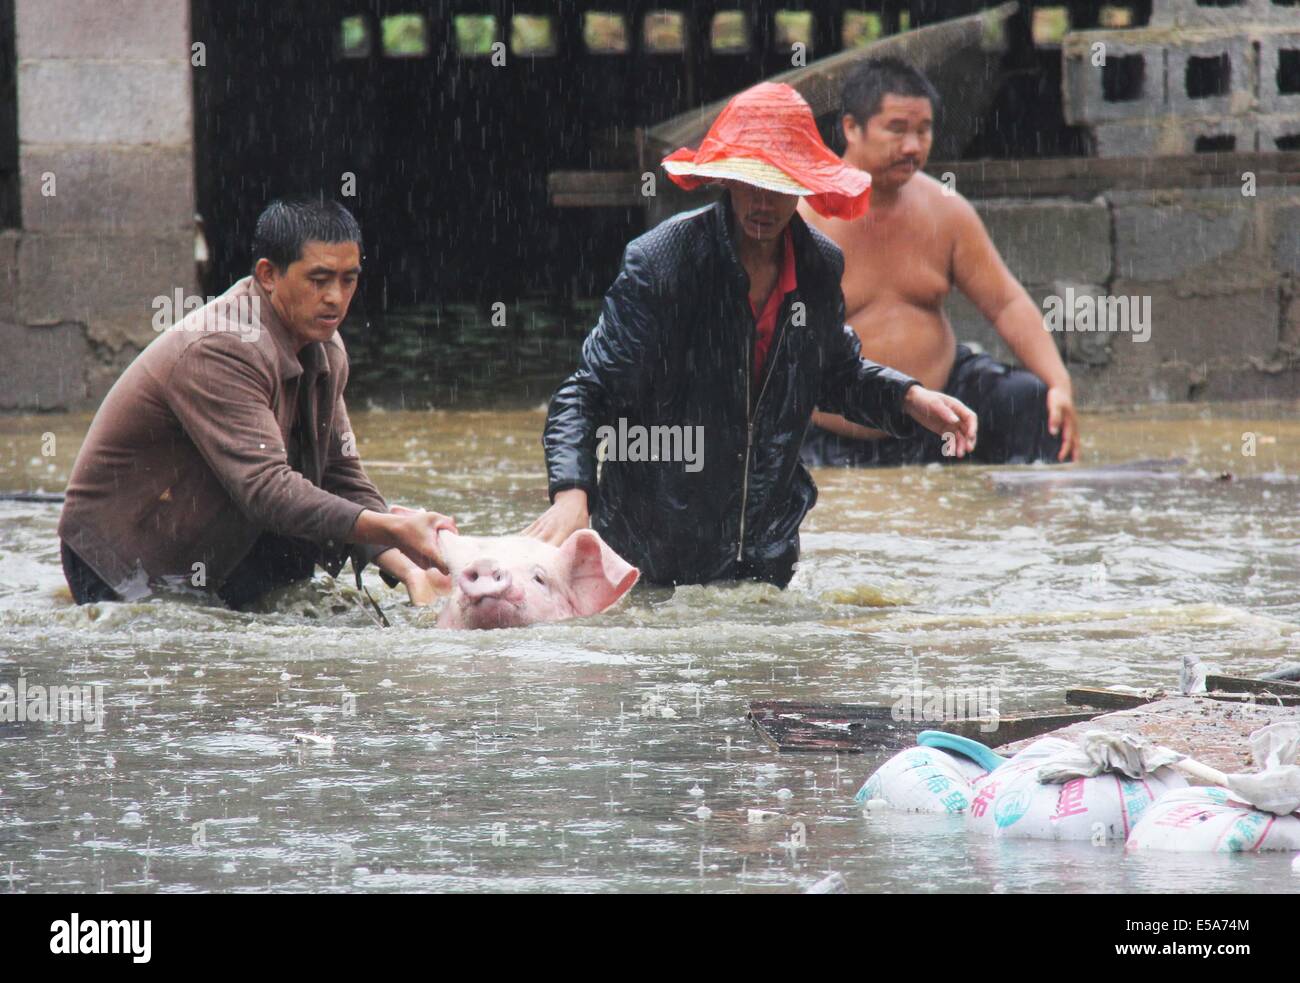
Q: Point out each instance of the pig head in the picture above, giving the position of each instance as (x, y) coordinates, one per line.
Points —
(511, 581)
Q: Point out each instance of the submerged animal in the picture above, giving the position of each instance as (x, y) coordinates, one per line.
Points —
(511, 581)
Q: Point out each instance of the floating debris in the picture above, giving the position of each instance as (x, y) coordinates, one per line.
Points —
(314, 740)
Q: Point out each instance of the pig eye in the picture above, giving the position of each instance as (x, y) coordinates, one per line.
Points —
(540, 579)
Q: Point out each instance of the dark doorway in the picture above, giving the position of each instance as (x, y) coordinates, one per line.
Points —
(10, 213)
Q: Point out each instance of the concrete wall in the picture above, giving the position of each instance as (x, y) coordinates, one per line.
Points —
(104, 90)
(106, 167)
(1222, 271)
(1162, 115)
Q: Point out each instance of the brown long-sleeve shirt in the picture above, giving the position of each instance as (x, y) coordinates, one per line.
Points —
(186, 461)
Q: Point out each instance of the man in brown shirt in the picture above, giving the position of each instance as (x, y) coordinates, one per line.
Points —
(223, 461)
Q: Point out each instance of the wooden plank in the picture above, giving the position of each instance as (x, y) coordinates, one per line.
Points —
(849, 728)
(1240, 684)
(1084, 177)
(594, 189)
(1052, 177)
(844, 727)
(1107, 699)
(1113, 700)
(1011, 729)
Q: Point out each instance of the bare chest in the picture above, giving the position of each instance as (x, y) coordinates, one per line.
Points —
(904, 257)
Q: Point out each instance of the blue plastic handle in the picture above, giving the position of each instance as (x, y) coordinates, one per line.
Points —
(981, 754)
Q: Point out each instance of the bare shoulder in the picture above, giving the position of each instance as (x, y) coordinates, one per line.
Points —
(944, 201)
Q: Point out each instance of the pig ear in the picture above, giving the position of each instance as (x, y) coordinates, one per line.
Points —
(598, 576)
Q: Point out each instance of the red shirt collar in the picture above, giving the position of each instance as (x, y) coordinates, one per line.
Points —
(788, 281)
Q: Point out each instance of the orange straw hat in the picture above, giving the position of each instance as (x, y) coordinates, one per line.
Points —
(767, 137)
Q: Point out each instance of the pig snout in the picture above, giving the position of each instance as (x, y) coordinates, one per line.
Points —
(485, 578)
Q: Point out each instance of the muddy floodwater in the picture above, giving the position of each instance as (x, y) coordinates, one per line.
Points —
(613, 754)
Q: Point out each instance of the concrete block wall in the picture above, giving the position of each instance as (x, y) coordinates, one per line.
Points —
(1183, 42)
(1083, 97)
(1045, 243)
(1170, 135)
(1273, 47)
(1222, 272)
(106, 173)
(1190, 13)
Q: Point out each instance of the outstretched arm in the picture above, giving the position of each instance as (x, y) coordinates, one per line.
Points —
(222, 397)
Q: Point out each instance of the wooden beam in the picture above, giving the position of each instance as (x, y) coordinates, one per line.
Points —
(595, 189)
(1107, 699)
(849, 728)
(1086, 177)
(1241, 684)
(1009, 729)
(1049, 177)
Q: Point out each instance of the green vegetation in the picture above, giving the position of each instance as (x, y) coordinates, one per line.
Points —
(354, 37)
(859, 28)
(404, 36)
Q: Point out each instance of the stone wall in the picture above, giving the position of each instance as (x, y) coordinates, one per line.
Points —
(1222, 272)
(106, 168)
(1222, 73)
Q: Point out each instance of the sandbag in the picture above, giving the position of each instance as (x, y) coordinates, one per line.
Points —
(923, 779)
(1011, 802)
(1211, 820)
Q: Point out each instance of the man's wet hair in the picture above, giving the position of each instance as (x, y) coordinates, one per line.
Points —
(287, 223)
(868, 84)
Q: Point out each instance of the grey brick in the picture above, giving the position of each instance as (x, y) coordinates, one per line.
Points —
(45, 367)
(1083, 98)
(1231, 383)
(1049, 239)
(1109, 386)
(1190, 14)
(1240, 97)
(1270, 44)
(1275, 126)
(109, 189)
(1286, 247)
(107, 29)
(1162, 235)
(104, 102)
(1215, 325)
(107, 282)
(1170, 135)
(9, 275)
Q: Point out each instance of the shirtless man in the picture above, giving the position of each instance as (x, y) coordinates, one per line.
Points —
(900, 261)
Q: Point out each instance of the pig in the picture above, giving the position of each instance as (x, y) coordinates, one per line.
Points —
(512, 581)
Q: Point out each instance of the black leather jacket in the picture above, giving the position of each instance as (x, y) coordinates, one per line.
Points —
(674, 347)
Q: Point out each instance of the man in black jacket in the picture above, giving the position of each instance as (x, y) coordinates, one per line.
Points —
(722, 332)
